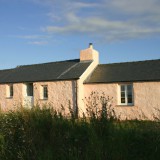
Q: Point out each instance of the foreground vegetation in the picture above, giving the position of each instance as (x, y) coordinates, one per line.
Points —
(43, 134)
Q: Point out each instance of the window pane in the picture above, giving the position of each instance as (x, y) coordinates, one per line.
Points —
(122, 88)
(30, 89)
(129, 94)
(122, 100)
(45, 92)
(11, 91)
(129, 88)
(129, 99)
(122, 94)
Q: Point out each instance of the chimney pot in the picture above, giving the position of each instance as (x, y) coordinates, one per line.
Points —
(91, 45)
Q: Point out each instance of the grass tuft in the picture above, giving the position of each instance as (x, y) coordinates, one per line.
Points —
(44, 134)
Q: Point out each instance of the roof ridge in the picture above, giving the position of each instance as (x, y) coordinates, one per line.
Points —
(47, 63)
(63, 73)
(7, 69)
(131, 62)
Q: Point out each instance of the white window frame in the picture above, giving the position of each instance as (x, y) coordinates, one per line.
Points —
(10, 91)
(43, 92)
(31, 93)
(126, 103)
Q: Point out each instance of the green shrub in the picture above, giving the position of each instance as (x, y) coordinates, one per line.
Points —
(44, 134)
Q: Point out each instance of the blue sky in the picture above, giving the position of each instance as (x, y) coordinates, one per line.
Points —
(37, 31)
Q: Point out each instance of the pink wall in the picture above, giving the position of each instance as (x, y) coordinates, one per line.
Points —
(146, 99)
(59, 94)
(8, 103)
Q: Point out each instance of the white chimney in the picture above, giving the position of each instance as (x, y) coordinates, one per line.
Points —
(89, 54)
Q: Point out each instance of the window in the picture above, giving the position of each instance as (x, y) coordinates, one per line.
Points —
(10, 90)
(30, 89)
(126, 94)
(45, 92)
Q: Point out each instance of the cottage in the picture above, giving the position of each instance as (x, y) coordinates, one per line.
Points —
(134, 86)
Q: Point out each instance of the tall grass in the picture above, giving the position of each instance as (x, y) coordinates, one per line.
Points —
(43, 134)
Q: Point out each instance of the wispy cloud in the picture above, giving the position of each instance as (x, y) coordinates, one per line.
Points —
(33, 36)
(35, 39)
(110, 30)
(136, 7)
(110, 20)
(38, 42)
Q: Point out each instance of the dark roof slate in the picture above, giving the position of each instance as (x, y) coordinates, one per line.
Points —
(54, 71)
(126, 72)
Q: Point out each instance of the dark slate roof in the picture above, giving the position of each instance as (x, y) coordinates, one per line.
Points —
(126, 72)
(54, 71)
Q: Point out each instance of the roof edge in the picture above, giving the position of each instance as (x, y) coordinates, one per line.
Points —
(70, 60)
(131, 62)
(39, 81)
(122, 82)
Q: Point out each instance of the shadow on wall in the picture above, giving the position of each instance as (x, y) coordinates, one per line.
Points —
(74, 98)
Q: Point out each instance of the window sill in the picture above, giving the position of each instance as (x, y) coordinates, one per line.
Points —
(45, 99)
(127, 105)
(9, 97)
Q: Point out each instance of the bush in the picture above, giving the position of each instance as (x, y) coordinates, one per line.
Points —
(39, 134)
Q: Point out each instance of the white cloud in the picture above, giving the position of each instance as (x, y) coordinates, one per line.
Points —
(107, 19)
(33, 36)
(111, 29)
(136, 6)
(35, 39)
(38, 42)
